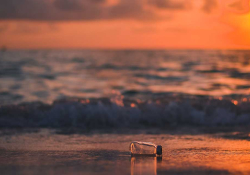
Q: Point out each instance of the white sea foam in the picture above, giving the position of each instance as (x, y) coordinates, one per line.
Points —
(97, 114)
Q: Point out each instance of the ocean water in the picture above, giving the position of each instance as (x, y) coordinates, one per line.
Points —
(100, 89)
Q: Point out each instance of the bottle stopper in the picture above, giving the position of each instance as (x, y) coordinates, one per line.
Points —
(159, 150)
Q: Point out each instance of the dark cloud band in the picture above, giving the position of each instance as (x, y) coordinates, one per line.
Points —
(63, 10)
(209, 5)
(72, 10)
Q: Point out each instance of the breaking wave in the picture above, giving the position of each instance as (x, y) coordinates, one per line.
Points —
(105, 113)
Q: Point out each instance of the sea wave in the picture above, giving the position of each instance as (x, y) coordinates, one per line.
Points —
(105, 113)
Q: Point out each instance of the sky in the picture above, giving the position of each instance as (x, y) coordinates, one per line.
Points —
(125, 24)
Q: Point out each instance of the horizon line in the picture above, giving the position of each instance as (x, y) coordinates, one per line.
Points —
(119, 49)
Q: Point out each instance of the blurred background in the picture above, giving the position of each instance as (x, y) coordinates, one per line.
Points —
(54, 49)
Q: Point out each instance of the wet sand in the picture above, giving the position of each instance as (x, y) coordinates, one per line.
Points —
(46, 152)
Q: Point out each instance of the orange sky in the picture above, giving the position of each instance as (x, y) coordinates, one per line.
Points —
(125, 24)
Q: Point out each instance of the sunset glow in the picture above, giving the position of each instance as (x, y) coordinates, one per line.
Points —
(120, 24)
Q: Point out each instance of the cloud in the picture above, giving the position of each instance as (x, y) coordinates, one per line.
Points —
(170, 4)
(88, 10)
(24, 9)
(209, 5)
(65, 10)
(68, 5)
(131, 9)
(240, 6)
(25, 27)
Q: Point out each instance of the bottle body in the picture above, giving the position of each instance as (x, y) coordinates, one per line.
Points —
(145, 148)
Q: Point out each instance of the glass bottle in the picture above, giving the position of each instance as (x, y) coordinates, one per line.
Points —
(145, 148)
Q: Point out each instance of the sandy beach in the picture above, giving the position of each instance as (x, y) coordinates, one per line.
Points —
(46, 152)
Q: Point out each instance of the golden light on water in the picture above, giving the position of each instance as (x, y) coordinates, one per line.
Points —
(117, 98)
(235, 102)
(133, 105)
(85, 101)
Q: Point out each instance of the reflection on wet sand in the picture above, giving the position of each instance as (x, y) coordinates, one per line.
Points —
(144, 165)
(45, 152)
